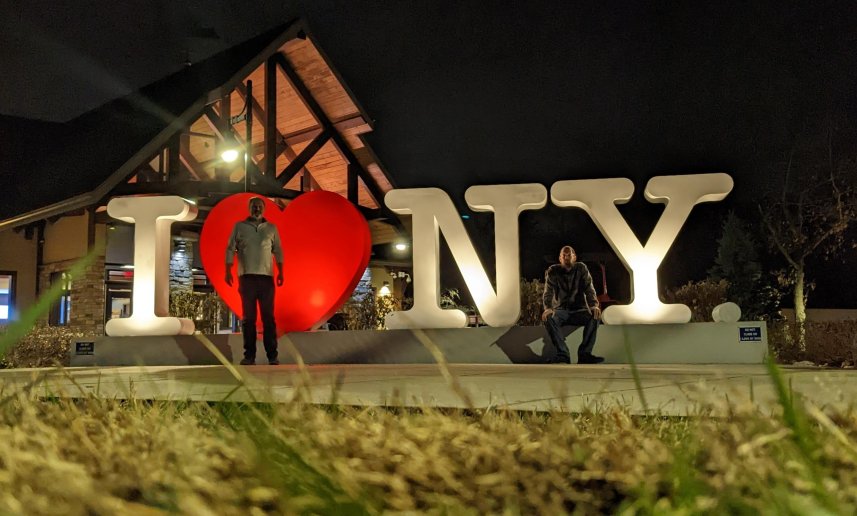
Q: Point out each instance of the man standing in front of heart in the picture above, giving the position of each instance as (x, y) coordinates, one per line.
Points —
(256, 240)
(569, 299)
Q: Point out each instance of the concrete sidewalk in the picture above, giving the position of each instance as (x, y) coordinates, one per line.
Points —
(668, 389)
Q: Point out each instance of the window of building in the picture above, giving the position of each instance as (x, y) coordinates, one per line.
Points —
(7, 296)
(119, 282)
(61, 309)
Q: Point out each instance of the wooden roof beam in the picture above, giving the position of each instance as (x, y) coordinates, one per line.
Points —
(188, 160)
(272, 151)
(338, 140)
(304, 135)
(308, 182)
(300, 161)
(201, 189)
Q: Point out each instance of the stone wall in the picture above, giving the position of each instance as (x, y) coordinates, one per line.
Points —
(181, 265)
(86, 313)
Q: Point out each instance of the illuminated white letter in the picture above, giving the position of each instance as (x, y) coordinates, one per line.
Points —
(434, 212)
(679, 193)
(152, 218)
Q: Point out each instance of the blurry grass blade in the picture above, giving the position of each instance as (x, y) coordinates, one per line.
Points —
(831, 427)
(219, 356)
(635, 373)
(439, 357)
(299, 360)
(287, 467)
(35, 382)
(792, 415)
(795, 419)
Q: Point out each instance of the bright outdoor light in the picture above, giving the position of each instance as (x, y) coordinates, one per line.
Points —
(229, 155)
(385, 290)
(401, 247)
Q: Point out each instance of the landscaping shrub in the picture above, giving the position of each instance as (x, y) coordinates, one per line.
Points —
(204, 309)
(43, 346)
(701, 297)
(367, 312)
(531, 302)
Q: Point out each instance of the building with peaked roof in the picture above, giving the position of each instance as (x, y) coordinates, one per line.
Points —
(276, 95)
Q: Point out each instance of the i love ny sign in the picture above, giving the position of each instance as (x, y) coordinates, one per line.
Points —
(326, 246)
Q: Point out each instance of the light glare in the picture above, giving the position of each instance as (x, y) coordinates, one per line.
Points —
(229, 155)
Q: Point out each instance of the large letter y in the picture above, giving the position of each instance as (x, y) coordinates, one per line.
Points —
(680, 194)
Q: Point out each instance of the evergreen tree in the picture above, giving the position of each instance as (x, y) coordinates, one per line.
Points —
(738, 262)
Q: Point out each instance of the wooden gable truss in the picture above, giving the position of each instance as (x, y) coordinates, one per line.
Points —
(305, 133)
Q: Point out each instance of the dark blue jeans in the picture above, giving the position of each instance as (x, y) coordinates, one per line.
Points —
(258, 288)
(580, 317)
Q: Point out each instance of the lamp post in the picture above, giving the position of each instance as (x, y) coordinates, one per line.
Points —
(230, 153)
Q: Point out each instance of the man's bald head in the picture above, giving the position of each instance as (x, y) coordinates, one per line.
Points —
(256, 207)
(567, 256)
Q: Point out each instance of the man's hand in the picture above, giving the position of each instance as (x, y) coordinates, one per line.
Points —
(547, 313)
(280, 277)
(229, 275)
(596, 312)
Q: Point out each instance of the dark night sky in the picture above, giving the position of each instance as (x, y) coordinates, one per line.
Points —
(491, 92)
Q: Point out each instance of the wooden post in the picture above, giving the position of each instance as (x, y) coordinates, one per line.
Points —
(352, 184)
(221, 172)
(174, 157)
(270, 117)
(248, 139)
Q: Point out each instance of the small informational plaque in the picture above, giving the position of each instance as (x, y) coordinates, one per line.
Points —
(750, 334)
(84, 348)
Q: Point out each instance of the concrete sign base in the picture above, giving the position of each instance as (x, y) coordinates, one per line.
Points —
(692, 343)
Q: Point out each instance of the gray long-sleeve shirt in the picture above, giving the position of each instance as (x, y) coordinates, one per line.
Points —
(569, 289)
(254, 244)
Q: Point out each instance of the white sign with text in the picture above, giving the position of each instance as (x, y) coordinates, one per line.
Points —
(433, 213)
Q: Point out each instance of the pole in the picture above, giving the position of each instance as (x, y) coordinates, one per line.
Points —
(248, 138)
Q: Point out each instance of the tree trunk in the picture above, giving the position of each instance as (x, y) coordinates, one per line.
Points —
(800, 297)
(800, 306)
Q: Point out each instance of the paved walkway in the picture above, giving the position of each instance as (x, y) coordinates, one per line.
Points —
(669, 389)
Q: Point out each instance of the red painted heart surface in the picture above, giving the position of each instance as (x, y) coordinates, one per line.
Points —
(326, 248)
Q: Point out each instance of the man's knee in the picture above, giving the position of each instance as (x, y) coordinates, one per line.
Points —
(592, 322)
(553, 320)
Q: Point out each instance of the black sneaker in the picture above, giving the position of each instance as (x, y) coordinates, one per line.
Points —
(558, 360)
(589, 359)
(248, 361)
(273, 362)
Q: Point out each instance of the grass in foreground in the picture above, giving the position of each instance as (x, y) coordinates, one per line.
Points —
(110, 457)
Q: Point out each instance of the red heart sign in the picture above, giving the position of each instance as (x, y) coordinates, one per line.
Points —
(326, 248)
